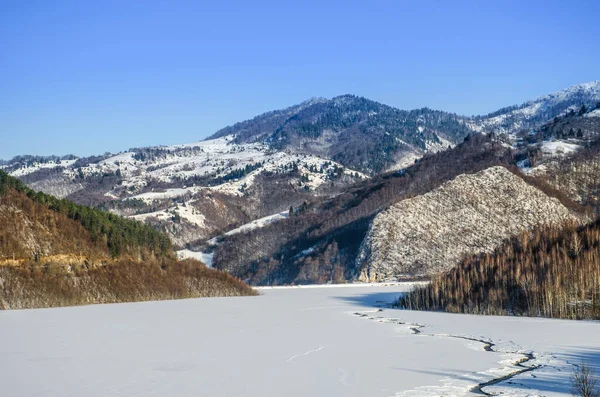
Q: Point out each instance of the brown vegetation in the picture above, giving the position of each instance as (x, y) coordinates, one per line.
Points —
(550, 272)
(48, 284)
(56, 253)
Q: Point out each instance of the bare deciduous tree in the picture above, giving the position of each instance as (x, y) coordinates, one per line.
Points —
(583, 382)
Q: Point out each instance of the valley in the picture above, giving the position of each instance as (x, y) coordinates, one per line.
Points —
(303, 199)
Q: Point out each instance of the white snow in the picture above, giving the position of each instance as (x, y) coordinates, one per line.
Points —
(593, 113)
(161, 195)
(203, 257)
(293, 342)
(26, 170)
(258, 223)
(514, 120)
(559, 147)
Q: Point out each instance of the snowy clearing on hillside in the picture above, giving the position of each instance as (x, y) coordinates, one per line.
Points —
(593, 113)
(293, 342)
(39, 166)
(258, 223)
(204, 257)
(207, 257)
(559, 147)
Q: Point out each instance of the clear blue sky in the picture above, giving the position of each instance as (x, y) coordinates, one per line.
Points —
(86, 77)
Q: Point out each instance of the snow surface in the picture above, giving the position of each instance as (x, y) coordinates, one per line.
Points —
(258, 223)
(292, 342)
(26, 170)
(593, 113)
(204, 257)
(559, 147)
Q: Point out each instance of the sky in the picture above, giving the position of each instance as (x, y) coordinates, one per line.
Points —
(87, 77)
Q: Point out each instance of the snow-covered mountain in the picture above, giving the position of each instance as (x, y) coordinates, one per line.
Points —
(190, 191)
(357, 132)
(275, 161)
(472, 213)
(538, 111)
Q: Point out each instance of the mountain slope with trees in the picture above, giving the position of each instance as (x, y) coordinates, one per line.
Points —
(534, 113)
(358, 133)
(431, 233)
(56, 253)
(551, 272)
(321, 240)
(310, 157)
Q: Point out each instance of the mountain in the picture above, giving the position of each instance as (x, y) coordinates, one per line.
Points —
(57, 253)
(320, 242)
(533, 113)
(190, 191)
(356, 132)
(285, 161)
(566, 154)
(431, 233)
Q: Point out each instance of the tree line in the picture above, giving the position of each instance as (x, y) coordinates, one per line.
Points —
(553, 271)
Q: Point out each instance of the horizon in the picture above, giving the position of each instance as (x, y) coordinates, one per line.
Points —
(87, 79)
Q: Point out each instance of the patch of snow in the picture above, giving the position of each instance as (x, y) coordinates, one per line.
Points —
(593, 113)
(148, 197)
(26, 170)
(258, 223)
(559, 147)
(203, 257)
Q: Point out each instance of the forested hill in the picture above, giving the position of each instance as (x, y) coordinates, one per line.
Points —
(357, 132)
(56, 253)
(320, 242)
(553, 272)
(114, 235)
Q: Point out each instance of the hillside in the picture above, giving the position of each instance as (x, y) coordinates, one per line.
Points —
(37, 224)
(306, 153)
(320, 242)
(573, 165)
(550, 272)
(431, 233)
(356, 132)
(534, 113)
(56, 253)
(190, 192)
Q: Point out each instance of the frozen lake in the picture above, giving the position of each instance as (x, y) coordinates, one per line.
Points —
(292, 342)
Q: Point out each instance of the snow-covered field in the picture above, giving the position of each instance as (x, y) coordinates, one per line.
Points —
(292, 342)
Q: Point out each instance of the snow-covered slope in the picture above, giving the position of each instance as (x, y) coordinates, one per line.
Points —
(276, 160)
(538, 111)
(469, 214)
(191, 191)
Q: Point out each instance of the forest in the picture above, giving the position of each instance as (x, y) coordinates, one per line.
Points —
(121, 236)
(552, 271)
(56, 253)
(123, 280)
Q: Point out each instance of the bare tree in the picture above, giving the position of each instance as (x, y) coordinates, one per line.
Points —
(583, 382)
